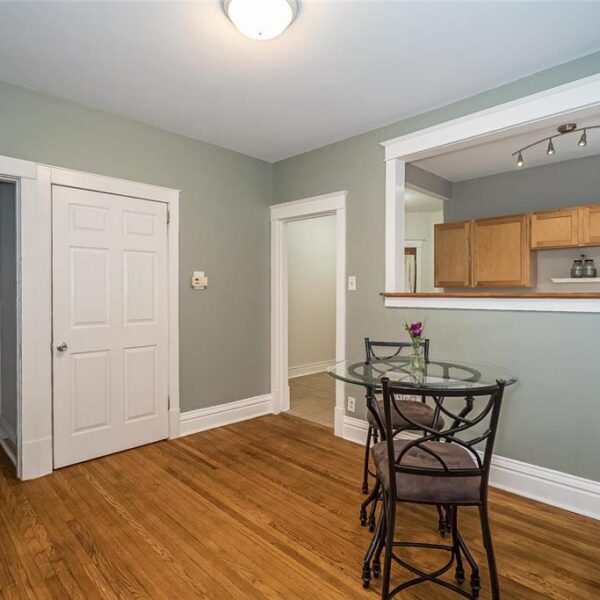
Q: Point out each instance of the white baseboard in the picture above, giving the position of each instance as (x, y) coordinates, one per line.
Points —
(558, 489)
(309, 368)
(202, 419)
(36, 458)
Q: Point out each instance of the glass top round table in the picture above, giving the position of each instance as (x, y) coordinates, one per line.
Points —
(438, 374)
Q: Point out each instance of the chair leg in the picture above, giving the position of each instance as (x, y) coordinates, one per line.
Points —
(371, 551)
(390, 515)
(441, 520)
(365, 483)
(374, 507)
(380, 547)
(459, 573)
(489, 548)
(371, 498)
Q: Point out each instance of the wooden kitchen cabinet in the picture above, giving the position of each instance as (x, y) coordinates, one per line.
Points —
(589, 227)
(501, 252)
(557, 228)
(452, 254)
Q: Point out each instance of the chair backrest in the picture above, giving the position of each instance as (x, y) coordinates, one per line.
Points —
(471, 421)
(392, 349)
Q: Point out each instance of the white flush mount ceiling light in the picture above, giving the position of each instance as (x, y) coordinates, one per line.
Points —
(261, 19)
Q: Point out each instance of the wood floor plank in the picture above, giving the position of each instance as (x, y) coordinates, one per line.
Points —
(265, 509)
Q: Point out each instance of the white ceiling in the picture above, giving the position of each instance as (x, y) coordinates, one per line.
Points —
(344, 67)
(496, 157)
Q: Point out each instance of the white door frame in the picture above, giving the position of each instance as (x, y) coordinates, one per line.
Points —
(281, 215)
(34, 206)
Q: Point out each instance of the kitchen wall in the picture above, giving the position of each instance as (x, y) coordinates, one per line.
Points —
(224, 229)
(311, 291)
(557, 185)
(550, 418)
(8, 313)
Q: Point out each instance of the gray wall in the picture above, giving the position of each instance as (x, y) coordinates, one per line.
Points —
(311, 290)
(567, 183)
(224, 333)
(8, 310)
(551, 417)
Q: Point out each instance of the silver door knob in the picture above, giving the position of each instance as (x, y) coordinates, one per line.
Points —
(62, 347)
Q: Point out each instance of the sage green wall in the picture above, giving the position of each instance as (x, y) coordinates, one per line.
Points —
(568, 183)
(224, 229)
(552, 416)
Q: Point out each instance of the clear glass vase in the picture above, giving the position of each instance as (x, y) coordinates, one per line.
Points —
(417, 359)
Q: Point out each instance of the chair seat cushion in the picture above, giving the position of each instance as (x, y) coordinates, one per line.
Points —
(429, 488)
(416, 411)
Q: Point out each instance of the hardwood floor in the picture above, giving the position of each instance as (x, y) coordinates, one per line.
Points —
(259, 510)
(312, 397)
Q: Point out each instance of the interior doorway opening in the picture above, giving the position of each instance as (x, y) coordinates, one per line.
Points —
(9, 320)
(311, 251)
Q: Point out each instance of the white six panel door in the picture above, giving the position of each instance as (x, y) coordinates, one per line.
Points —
(110, 323)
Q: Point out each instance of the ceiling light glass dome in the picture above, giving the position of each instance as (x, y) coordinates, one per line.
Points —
(261, 19)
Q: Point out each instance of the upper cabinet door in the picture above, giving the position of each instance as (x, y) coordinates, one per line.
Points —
(501, 252)
(590, 225)
(452, 254)
(556, 229)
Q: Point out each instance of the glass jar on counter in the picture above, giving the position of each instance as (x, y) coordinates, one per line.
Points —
(589, 269)
(577, 268)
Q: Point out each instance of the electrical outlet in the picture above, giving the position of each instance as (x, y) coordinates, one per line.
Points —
(351, 404)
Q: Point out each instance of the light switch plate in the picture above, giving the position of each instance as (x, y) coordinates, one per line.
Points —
(199, 280)
(352, 283)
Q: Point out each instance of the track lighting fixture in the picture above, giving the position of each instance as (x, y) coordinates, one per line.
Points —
(550, 150)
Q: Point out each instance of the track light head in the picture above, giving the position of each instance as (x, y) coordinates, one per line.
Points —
(550, 150)
(582, 143)
(520, 161)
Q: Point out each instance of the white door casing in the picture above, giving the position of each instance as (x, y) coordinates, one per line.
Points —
(281, 215)
(110, 309)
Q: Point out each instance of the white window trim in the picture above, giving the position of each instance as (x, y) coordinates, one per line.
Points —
(34, 435)
(281, 215)
(482, 125)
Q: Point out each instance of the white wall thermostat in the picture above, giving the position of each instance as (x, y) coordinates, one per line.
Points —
(199, 280)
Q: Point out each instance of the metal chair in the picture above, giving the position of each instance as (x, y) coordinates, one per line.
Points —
(420, 412)
(448, 467)
(375, 414)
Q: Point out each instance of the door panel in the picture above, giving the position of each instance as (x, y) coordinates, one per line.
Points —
(89, 283)
(110, 309)
(140, 287)
(90, 390)
(140, 382)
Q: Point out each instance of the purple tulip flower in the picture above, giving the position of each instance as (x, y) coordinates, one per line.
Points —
(415, 329)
